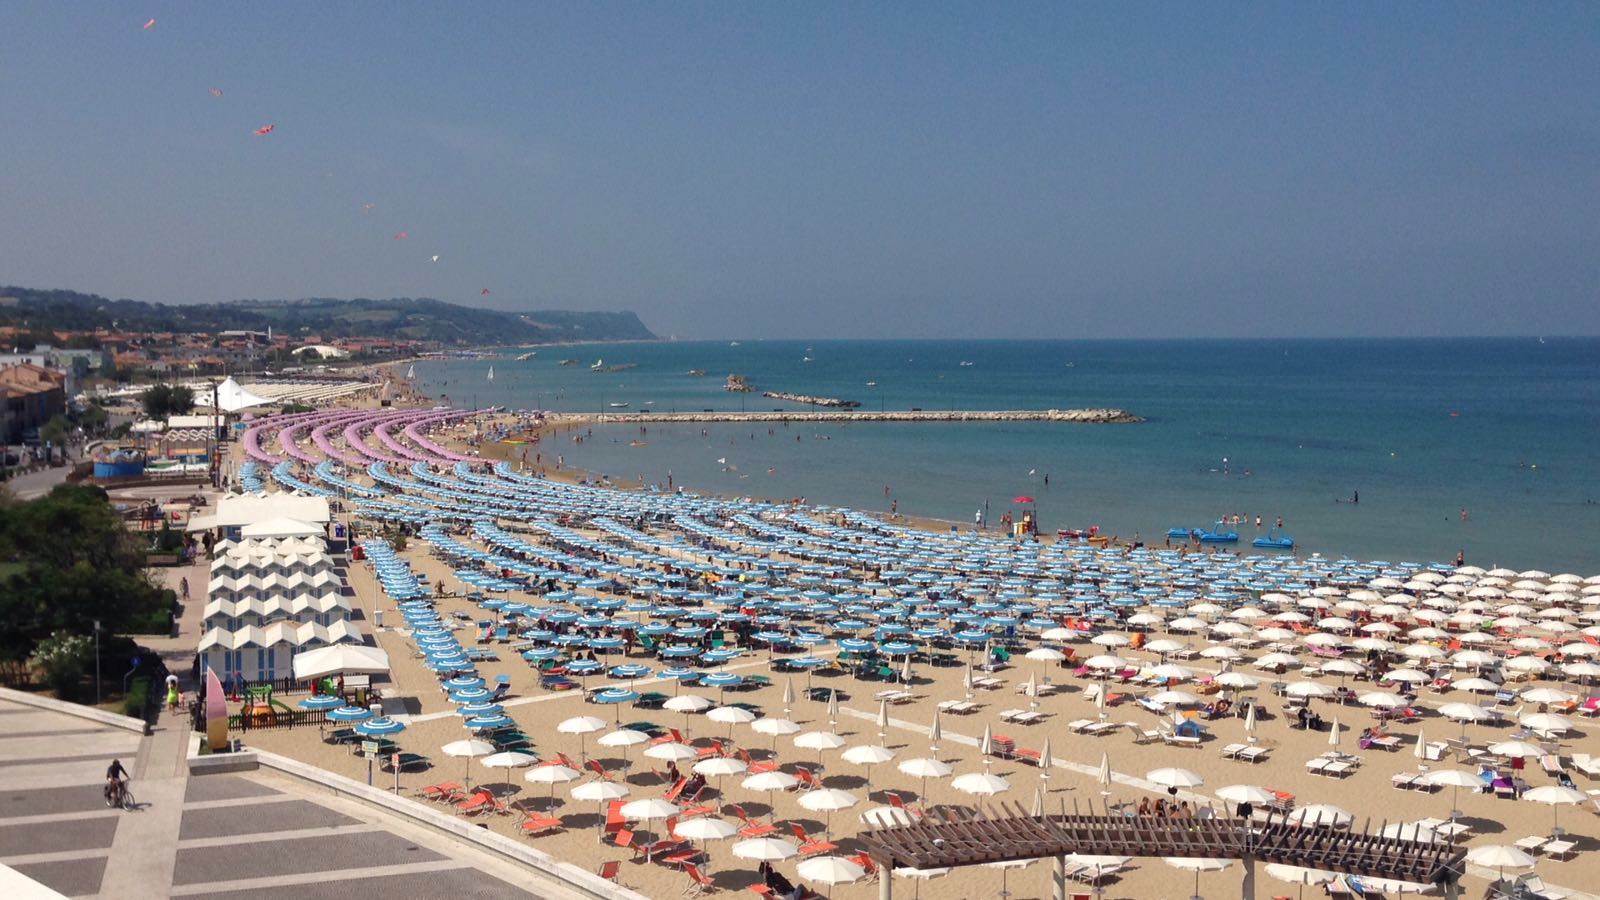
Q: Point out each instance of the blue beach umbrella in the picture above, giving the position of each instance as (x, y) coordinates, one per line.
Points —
(470, 695)
(481, 723)
(479, 708)
(629, 670)
(322, 702)
(350, 714)
(463, 682)
(379, 727)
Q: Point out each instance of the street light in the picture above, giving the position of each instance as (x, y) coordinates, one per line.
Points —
(96, 662)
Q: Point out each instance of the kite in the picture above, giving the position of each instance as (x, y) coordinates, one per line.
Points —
(484, 292)
(265, 129)
(401, 236)
(216, 92)
(150, 24)
(436, 257)
(367, 207)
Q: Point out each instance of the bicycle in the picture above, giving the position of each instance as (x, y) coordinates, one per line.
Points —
(118, 795)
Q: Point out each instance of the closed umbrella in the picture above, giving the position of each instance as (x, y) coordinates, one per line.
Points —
(883, 719)
(1045, 760)
(986, 745)
(935, 732)
(1104, 775)
(833, 707)
(788, 695)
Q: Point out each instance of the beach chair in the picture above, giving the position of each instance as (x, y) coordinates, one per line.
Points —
(864, 860)
(407, 761)
(808, 780)
(538, 824)
(1560, 849)
(699, 882)
(614, 820)
(751, 827)
(609, 870)
(1142, 735)
(809, 845)
(445, 790)
(480, 801)
(594, 766)
(1232, 750)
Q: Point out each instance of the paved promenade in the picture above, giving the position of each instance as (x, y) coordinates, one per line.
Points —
(237, 836)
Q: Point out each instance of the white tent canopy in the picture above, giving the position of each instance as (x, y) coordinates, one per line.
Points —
(233, 396)
(282, 526)
(340, 660)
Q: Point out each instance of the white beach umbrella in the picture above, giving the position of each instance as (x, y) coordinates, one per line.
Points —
(581, 726)
(1407, 676)
(925, 768)
(1221, 651)
(1455, 779)
(980, 783)
(1501, 857)
(1238, 681)
(705, 828)
(1197, 864)
(551, 775)
(688, 703)
(671, 752)
(769, 781)
(1322, 814)
(1411, 831)
(1103, 775)
(935, 732)
(830, 870)
(600, 790)
(1548, 724)
(1381, 699)
(1163, 646)
(468, 749)
(1333, 734)
(1174, 698)
(883, 719)
(623, 737)
(1045, 654)
(1299, 875)
(1557, 796)
(1171, 777)
(868, 755)
(721, 766)
(1246, 793)
(1045, 759)
(1308, 689)
(1476, 685)
(765, 849)
(826, 800)
(649, 808)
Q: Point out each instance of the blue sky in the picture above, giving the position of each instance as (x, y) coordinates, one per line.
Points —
(824, 170)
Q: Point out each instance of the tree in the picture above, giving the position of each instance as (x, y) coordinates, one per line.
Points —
(94, 418)
(66, 561)
(55, 430)
(163, 400)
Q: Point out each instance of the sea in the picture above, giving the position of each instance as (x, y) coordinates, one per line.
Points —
(1485, 447)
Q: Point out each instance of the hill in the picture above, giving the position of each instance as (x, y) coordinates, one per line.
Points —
(403, 317)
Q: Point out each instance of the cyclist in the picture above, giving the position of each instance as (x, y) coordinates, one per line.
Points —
(116, 775)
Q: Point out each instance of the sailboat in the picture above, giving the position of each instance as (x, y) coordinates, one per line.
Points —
(491, 373)
(411, 373)
(599, 363)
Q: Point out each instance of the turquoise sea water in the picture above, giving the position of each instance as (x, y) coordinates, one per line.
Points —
(1507, 429)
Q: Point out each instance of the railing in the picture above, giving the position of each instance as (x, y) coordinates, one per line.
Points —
(276, 718)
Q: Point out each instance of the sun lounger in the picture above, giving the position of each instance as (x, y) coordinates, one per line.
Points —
(1232, 750)
(1533, 843)
(1560, 848)
(1405, 781)
(1253, 754)
(959, 707)
(1179, 740)
(1076, 725)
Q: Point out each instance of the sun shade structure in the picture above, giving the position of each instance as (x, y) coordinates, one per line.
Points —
(952, 837)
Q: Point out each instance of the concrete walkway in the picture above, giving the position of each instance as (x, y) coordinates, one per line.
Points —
(144, 851)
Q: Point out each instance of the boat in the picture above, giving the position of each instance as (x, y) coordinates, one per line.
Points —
(697, 373)
(1215, 535)
(807, 359)
(617, 405)
(1274, 540)
(527, 356)
(1180, 533)
(569, 362)
(872, 384)
(733, 343)
(491, 373)
(411, 373)
(598, 364)
(965, 363)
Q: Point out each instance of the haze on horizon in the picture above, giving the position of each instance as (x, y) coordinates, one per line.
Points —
(823, 170)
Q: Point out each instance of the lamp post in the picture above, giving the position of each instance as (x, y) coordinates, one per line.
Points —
(96, 662)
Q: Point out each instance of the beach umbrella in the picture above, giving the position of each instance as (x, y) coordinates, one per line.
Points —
(935, 732)
(580, 726)
(819, 741)
(788, 695)
(925, 768)
(765, 849)
(833, 707)
(1197, 864)
(1501, 857)
(1246, 793)
(775, 727)
(826, 800)
(1333, 733)
(1031, 689)
(1045, 761)
(731, 715)
(321, 703)
(1250, 722)
(671, 752)
(552, 775)
(887, 817)
(1322, 814)
(379, 727)
(705, 828)
(467, 750)
(1557, 796)
(1420, 751)
(1516, 748)
(883, 719)
(1381, 699)
(983, 783)
(624, 738)
(830, 870)
(1174, 778)
(1308, 689)
(349, 714)
(1455, 779)
(1547, 695)
(986, 745)
(1104, 775)
(1546, 724)
(686, 704)
(615, 696)
(1299, 875)
(868, 755)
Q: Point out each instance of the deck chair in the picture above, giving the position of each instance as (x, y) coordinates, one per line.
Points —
(810, 846)
(751, 828)
(537, 824)
(699, 882)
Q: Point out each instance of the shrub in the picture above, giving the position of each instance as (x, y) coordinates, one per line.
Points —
(133, 703)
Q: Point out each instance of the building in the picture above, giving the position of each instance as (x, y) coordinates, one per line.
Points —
(235, 513)
(33, 395)
(270, 599)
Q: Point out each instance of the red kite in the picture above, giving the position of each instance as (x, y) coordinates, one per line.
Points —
(265, 129)
(150, 24)
(1022, 499)
(401, 236)
(484, 292)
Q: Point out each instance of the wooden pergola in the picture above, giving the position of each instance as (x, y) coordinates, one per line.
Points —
(952, 837)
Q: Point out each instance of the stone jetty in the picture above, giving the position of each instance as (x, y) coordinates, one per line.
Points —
(833, 402)
(1098, 416)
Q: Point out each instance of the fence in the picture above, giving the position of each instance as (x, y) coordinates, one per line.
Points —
(276, 718)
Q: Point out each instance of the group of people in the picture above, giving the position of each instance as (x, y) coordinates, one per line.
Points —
(1161, 809)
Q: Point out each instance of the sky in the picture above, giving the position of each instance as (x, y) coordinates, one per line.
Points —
(947, 169)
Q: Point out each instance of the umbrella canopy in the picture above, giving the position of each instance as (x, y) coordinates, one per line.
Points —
(830, 870)
(552, 774)
(868, 755)
(828, 799)
(379, 727)
(767, 849)
(622, 737)
(922, 767)
(721, 766)
(1322, 814)
(688, 703)
(769, 781)
(1245, 793)
(511, 759)
(1178, 778)
(980, 783)
(648, 808)
(819, 740)
(601, 790)
(468, 748)
(731, 715)
(705, 828)
(672, 752)
(1501, 856)
(1516, 748)
(774, 726)
(581, 725)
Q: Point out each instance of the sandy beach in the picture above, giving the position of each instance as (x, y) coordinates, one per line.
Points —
(414, 695)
